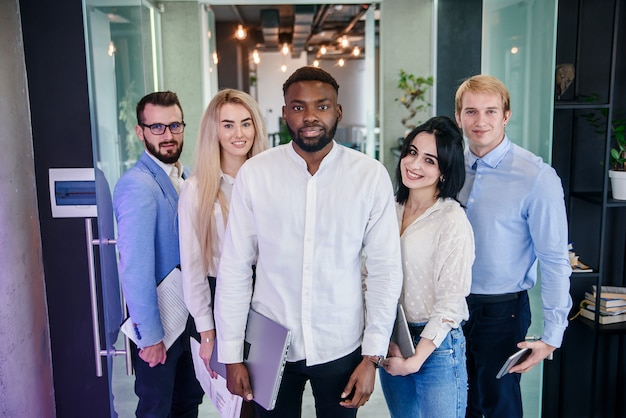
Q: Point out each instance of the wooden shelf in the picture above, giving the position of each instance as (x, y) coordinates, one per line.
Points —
(576, 105)
(617, 328)
(596, 198)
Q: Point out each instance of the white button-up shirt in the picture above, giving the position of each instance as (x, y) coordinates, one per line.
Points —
(196, 289)
(310, 232)
(437, 256)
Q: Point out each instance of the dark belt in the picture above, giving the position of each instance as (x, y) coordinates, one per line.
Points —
(504, 297)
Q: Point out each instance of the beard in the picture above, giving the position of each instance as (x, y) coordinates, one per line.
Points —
(309, 145)
(170, 157)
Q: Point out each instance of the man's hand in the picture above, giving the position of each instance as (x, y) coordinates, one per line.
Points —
(540, 351)
(154, 354)
(238, 381)
(207, 341)
(360, 385)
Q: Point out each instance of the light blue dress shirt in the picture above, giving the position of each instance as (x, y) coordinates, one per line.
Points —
(515, 204)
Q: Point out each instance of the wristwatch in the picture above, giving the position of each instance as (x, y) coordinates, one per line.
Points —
(377, 360)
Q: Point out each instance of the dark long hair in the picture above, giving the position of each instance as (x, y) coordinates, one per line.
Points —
(450, 151)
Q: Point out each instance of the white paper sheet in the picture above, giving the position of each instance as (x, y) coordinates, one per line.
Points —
(172, 309)
(227, 404)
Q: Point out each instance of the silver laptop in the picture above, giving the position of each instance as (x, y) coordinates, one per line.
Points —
(265, 354)
(401, 334)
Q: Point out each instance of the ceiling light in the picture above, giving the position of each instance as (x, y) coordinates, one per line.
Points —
(285, 49)
(344, 41)
(341, 62)
(356, 51)
(323, 50)
(241, 33)
(255, 56)
(283, 68)
(316, 63)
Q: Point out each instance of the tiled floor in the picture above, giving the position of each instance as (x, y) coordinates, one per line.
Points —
(125, 400)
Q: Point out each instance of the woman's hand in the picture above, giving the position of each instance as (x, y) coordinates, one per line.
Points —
(399, 366)
(396, 365)
(207, 341)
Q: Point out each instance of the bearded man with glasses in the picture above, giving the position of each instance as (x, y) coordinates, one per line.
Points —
(145, 202)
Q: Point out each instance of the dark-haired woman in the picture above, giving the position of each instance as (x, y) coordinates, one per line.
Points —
(437, 256)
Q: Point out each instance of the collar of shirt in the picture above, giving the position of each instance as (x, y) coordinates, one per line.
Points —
(493, 157)
(227, 178)
(167, 167)
(332, 154)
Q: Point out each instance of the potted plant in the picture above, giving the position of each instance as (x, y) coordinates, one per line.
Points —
(414, 89)
(617, 173)
(617, 169)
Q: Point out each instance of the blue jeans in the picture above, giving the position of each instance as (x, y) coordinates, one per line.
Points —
(327, 383)
(493, 331)
(438, 389)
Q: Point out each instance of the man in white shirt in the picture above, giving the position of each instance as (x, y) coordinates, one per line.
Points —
(308, 211)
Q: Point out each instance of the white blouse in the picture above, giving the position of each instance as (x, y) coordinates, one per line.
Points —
(437, 257)
(196, 289)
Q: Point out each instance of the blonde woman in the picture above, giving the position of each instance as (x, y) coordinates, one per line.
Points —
(232, 130)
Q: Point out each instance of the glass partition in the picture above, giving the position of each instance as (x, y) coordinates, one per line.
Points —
(519, 43)
(123, 61)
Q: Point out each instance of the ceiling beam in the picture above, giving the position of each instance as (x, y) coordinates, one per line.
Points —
(303, 16)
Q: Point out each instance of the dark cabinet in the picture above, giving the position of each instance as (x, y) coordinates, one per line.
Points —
(588, 376)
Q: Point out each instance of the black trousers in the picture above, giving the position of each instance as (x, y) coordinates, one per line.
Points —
(327, 382)
(493, 330)
(170, 389)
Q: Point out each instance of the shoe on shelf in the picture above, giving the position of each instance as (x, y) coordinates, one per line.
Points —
(574, 261)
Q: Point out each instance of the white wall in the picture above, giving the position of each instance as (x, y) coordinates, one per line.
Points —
(351, 79)
(182, 66)
(406, 41)
(270, 81)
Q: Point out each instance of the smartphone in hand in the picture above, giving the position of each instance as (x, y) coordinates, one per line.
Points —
(514, 359)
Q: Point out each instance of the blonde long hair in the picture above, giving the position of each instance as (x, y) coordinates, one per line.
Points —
(208, 164)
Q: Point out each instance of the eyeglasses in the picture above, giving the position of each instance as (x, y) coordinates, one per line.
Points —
(159, 128)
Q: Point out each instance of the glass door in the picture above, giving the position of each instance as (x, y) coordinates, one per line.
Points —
(519, 43)
(123, 61)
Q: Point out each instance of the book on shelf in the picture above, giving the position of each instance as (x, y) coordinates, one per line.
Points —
(610, 292)
(605, 302)
(603, 319)
(616, 310)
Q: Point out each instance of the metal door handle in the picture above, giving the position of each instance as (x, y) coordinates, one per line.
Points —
(98, 351)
